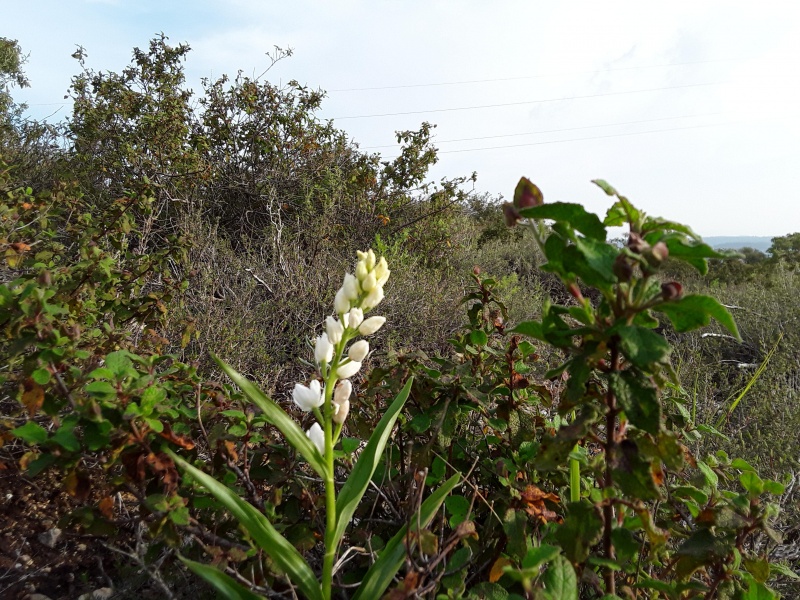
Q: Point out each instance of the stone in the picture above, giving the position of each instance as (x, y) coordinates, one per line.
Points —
(50, 537)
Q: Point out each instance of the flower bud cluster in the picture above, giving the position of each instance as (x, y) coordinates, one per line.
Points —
(365, 288)
(360, 292)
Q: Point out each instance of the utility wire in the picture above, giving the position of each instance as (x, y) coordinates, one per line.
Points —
(490, 137)
(440, 110)
(418, 85)
(596, 137)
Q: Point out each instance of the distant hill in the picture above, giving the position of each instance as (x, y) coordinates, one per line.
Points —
(735, 242)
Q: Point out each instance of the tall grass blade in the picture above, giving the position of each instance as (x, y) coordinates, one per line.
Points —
(226, 586)
(381, 573)
(278, 417)
(355, 486)
(762, 367)
(258, 526)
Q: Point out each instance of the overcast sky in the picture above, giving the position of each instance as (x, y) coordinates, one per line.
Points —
(692, 109)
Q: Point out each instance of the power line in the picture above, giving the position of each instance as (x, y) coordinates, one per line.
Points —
(489, 137)
(595, 137)
(440, 110)
(417, 85)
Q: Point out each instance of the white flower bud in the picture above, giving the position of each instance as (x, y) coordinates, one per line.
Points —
(317, 437)
(371, 325)
(341, 304)
(348, 369)
(342, 392)
(369, 283)
(323, 350)
(355, 317)
(334, 330)
(342, 412)
(381, 270)
(358, 351)
(373, 299)
(361, 270)
(350, 287)
(370, 259)
(308, 398)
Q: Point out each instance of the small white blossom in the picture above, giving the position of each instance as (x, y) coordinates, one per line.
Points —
(350, 287)
(308, 397)
(341, 303)
(369, 283)
(361, 270)
(341, 400)
(355, 317)
(371, 325)
(317, 437)
(373, 299)
(323, 350)
(342, 411)
(348, 369)
(334, 329)
(358, 351)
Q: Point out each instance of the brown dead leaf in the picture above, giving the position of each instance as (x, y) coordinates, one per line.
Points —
(178, 440)
(533, 499)
(27, 459)
(164, 467)
(77, 484)
(496, 571)
(106, 506)
(32, 396)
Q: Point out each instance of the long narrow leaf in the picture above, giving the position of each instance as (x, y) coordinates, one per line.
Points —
(381, 573)
(278, 417)
(257, 525)
(760, 371)
(224, 584)
(355, 486)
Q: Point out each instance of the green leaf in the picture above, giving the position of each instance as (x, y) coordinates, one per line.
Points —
(643, 347)
(531, 328)
(600, 256)
(478, 337)
(539, 555)
(573, 214)
(560, 580)
(101, 390)
(31, 432)
(605, 186)
(41, 376)
(119, 362)
(285, 555)
(382, 572)
(581, 529)
(693, 311)
(278, 417)
(228, 587)
(752, 483)
(458, 507)
(638, 399)
(695, 253)
(783, 570)
(488, 591)
(358, 480)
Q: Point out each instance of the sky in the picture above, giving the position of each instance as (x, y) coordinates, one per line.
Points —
(691, 109)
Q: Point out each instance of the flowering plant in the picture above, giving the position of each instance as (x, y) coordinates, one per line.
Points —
(329, 401)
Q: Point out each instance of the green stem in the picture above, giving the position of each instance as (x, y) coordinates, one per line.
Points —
(574, 478)
(330, 488)
(330, 492)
